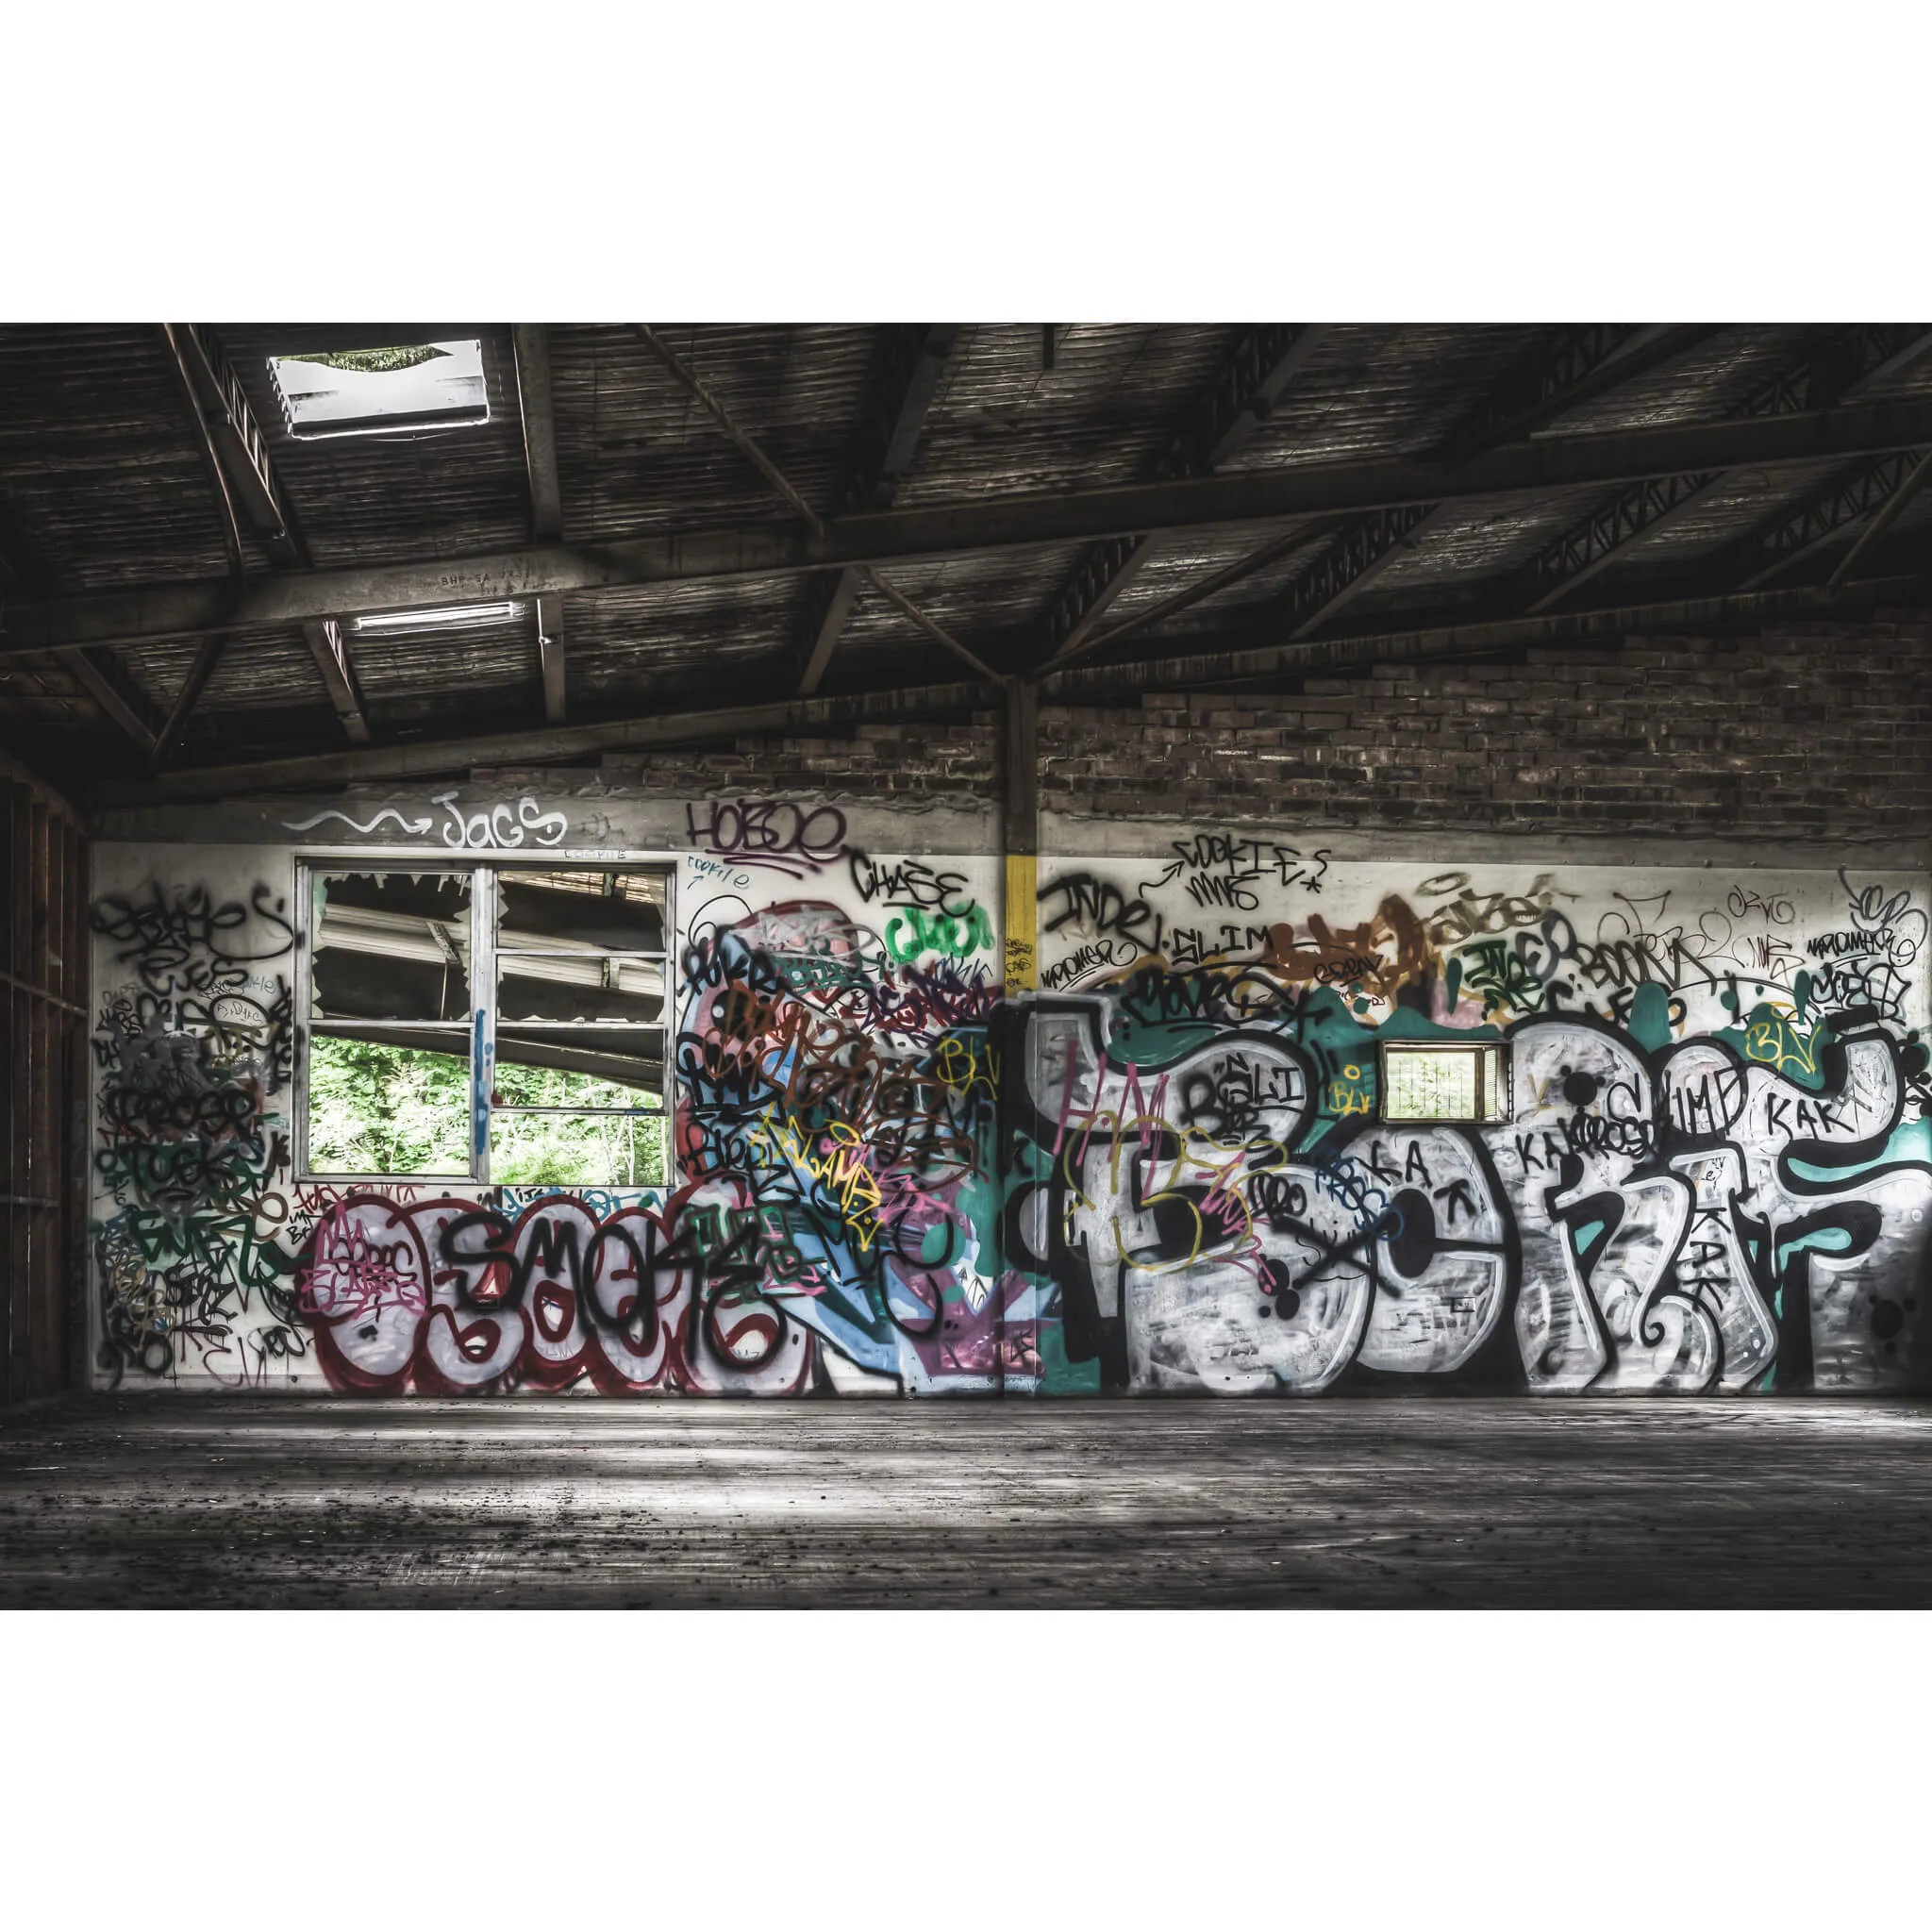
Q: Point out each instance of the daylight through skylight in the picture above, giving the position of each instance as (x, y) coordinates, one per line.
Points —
(382, 391)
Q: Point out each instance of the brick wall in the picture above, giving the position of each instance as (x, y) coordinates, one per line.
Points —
(911, 759)
(1804, 728)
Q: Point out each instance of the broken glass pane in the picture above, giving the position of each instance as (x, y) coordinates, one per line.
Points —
(580, 987)
(599, 911)
(630, 1060)
(392, 947)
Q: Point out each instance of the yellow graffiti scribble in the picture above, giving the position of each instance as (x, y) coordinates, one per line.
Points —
(1349, 1093)
(839, 1169)
(1776, 1044)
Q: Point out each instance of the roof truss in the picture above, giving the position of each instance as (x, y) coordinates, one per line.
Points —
(973, 527)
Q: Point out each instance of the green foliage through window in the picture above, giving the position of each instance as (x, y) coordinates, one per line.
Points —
(377, 1109)
(370, 361)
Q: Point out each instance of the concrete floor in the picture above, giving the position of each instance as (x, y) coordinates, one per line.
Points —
(179, 1501)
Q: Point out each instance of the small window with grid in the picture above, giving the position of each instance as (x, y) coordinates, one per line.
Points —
(1445, 1080)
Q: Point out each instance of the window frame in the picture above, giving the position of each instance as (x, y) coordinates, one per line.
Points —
(481, 867)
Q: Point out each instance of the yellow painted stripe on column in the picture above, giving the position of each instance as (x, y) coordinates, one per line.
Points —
(1023, 922)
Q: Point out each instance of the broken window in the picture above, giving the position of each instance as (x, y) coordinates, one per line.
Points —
(543, 1065)
(388, 1023)
(1444, 1080)
(580, 986)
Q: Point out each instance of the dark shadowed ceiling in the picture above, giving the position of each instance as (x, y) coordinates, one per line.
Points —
(683, 530)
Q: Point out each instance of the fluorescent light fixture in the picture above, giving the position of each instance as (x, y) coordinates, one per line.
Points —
(451, 617)
(412, 387)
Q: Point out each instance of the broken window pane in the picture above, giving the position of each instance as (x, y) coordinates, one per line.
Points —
(383, 1105)
(599, 911)
(630, 1061)
(390, 947)
(581, 986)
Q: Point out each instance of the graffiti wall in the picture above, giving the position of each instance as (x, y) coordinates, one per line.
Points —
(1703, 1162)
(1713, 1166)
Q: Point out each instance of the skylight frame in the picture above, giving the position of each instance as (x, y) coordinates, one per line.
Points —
(305, 420)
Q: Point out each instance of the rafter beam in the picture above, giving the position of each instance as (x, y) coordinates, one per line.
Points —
(980, 526)
(330, 651)
(1585, 361)
(425, 758)
(96, 671)
(1883, 350)
(1612, 528)
(176, 336)
(1820, 519)
(1198, 668)
(1873, 532)
(1201, 588)
(1582, 364)
(531, 341)
(550, 658)
(754, 453)
(829, 619)
(169, 738)
(914, 362)
(240, 449)
(1248, 382)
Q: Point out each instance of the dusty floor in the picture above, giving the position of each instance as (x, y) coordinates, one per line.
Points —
(178, 1501)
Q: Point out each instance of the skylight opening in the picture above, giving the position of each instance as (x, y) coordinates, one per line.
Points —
(450, 617)
(387, 391)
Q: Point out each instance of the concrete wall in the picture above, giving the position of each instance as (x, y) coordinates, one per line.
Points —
(1166, 1168)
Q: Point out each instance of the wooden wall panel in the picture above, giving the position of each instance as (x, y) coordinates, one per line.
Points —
(43, 1049)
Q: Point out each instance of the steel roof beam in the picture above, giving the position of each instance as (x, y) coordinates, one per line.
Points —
(754, 453)
(1018, 522)
(915, 359)
(1893, 507)
(1849, 360)
(96, 671)
(531, 353)
(330, 651)
(239, 447)
(1583, 363)
(1818, 519)
(422, 758)
(169, 738)
(1201, 667)
(419, 758)
(1895, 347)
(1248, 382)
(179, 355)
